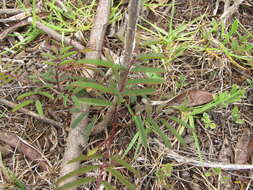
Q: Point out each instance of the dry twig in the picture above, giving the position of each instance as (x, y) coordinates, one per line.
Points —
(30, 113)
(27, 149)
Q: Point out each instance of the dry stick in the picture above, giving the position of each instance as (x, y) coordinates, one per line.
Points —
(228, 11)
(10, 11)
(31, 152)
(17, 17)
(5, 32)
(76, 138)
(32, 114)
(57, 36)
(207, 164)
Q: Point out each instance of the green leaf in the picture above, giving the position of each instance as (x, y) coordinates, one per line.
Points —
(46, 94)
(65, 49)
(22, 104)
(88, 129)
(94, 101)
(39, 107)
(96, 86)
(143, 133)
(154, 127)
(49, 55)
(68, 54)
(50, 63)
(147, 56)
(148, 69)
(179, 121)
(77, 172)
(100, 62)
(108, 186)
(195, 137)
(80, 117)
(146, 81)
(24, 95)
(84, 158)
(121, 178)
(126, 165)
(76, 183)
(68, 61)
(165, 171)
(138, 92)
(174, 131)
(65, 99)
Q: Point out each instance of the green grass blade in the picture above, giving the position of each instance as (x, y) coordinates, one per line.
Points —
(121, 178)
(143, 133)
(131, 144)
(195, 137)
(22, 104)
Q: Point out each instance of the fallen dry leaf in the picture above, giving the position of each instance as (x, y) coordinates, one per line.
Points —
(244, 147)
(192, 98)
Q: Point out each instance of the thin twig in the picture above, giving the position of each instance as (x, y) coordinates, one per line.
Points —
(11, 11)
(31, 152)
(57, 36)
(30, 113)
(207, 164)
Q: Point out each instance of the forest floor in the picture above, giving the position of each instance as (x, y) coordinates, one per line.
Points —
(203, 55)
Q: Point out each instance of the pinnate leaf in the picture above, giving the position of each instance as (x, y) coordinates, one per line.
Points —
(94, 101)
(99, 62)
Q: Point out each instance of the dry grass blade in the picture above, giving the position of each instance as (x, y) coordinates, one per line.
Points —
(30, 113)
(27, 149)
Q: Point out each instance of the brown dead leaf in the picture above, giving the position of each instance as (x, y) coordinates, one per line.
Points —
(22, 146)
(192, 98)
(244, 147)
